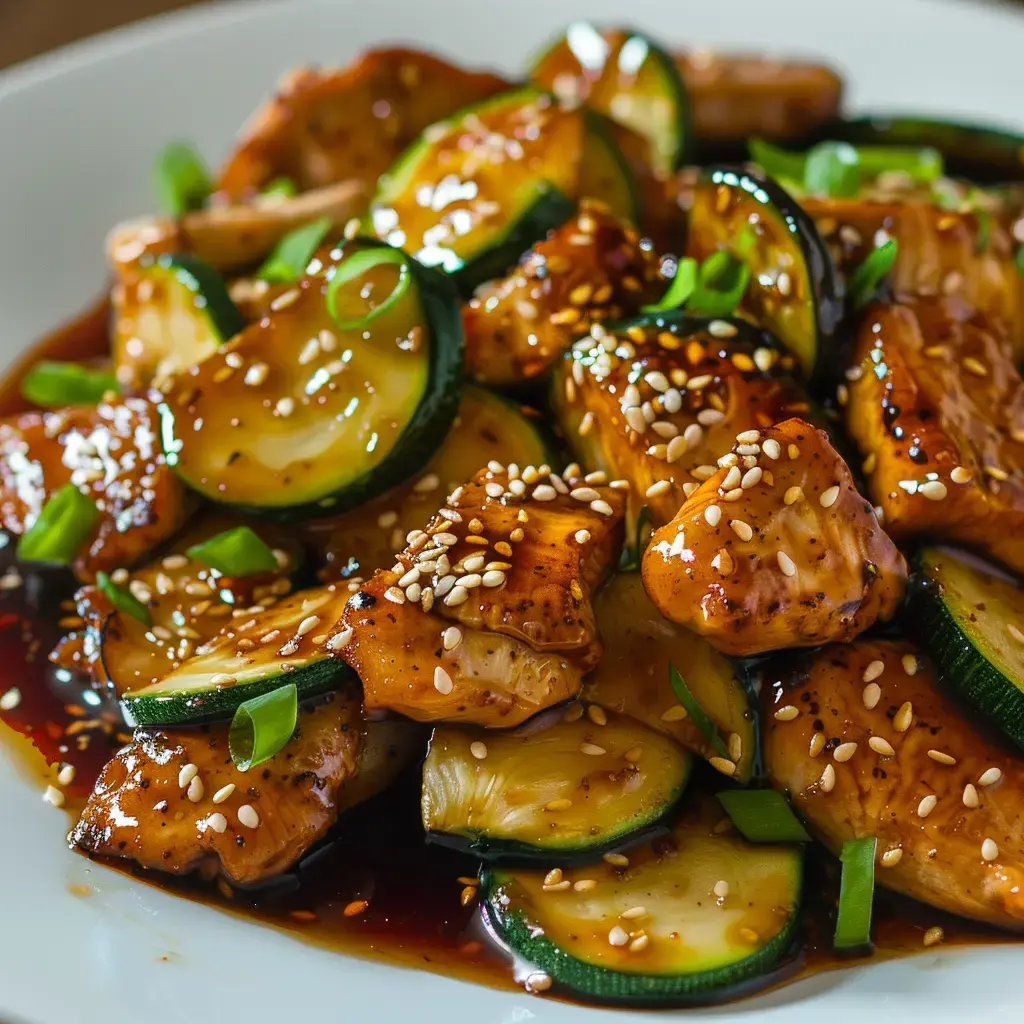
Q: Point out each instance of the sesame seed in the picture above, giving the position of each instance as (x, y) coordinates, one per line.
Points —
(698, 382)
(657, 380)
(722, 562)
(891, 858)
(828, 779)
(52, 795)
(592, 749)
(544, 492)
(970, 796)
(817, 744)
(586, 424)
(340, 640)
(443, 681)
(633, 914)
(223, 793)
(470, 581)
(66, 775)
(602, 507)
(457, 595)
(186, 774)
(635, 419)
(933, 936)
(909, 662)
(285, 406)
(1015, 633)
(562, 804)
(873, 671)
(597, 715)
(284, 300)
(731, 479)
(676, 713)
(248, 816)
(990, 777)
(741, 529)
(307, 625)
(217, 822)
(10, 699)
(585, 494)
(516, 535)
(997, 473)
(355, 908)
(538, 981)
(693, 434)
(505, 549)
(723, 765)
(844, 751)
(881, 746)
(927, 805)
(617, 860)
(585, 884)
(786, 564)
(975, 366)
(871, 695)
(941, 757)
(195, 790)
(989, 850)
(582, 536)
(553, 877)
(793, 495)
(904, 718)
(709, 417)
(830, 496)
(712, 515)
(256, 374)
(395, 595)
(721, 889)
(721, 329)
(658, 488)
(451, 638)
(959, 475)
(787, 713)
(933, 490)
(478, 749)
(751, 478)
(633, 755)
(618, 936)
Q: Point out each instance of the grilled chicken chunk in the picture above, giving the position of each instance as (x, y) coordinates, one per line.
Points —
(659, 408)
(151, 807)
(896, 759)
(112, 454)
(777, 549)
(520, 594)
(332, 125)
(937, 410)
(590, 270)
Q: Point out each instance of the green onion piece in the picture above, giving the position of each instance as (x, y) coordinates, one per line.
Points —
(356, 265)
(832, 169)
(721, 283)
(679, 290)
(763, 816)
(856, 893)
(629, 560)
(1018, 259)
(777, 163)
(285, 188)
(65, 523)
(181, 179)
(984, 229)
(287, 263)
(263, 726)
(923, 164)
(695, 711)
(237, 552)
(123, 599)
(865, 279)
(52, 384)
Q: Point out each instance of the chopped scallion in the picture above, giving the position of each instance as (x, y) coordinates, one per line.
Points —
(283, 188)
(679, 290)
(287, 263)
(696, 712)
(355, 266)
(52, 384)
(237, 552)
(721, 282)
(64, 524)
(832, 169)
(763, 816)
(856, 894)
(123, 599)
(922, 164)
(1018, 260)
(786, 167)
(181, 179)
(866, 278)
(263, 726)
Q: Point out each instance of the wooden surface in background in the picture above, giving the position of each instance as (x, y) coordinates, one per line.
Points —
(30, 27)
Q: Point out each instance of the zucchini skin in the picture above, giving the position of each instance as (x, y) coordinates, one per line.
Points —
(198, 277)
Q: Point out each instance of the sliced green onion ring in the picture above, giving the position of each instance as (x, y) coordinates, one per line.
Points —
(865, 279)
(679, 290)
(1018, 260)
(181, 179)
(52, 384)
(856, 894)
(923, 164)
(65, 523)
(123, 599)
(832, 169)
(288, 262)
(782, 164)
(263, 726)
(721, 283)
(283, 188)
(237, 552)
(354, 266)
(696, 712)
(763, 816)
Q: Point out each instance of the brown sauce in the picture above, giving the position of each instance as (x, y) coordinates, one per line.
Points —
(413, 914)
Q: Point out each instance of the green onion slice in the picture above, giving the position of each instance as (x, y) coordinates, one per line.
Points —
(283, 188)
(832, 169)
(763, 816)
(695, 711)
(123, 599)
(288, 262)
(922, 164)
(237, 552)
(181, 179)
(65, 523)
(856, 893)
(721, 283)
(781, 164)
(865, 279)
(679, 290)
(1018, 260)
(263, 726)
(51, 384)
(355, 266)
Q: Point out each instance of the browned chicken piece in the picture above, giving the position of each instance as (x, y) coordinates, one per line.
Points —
(512, 559)
(734, 96)
(590, 270)
(777, 549)
(153, 803)
(112, 454)
(936, 407)
(330, 125)
(866, 744)
(696, 384)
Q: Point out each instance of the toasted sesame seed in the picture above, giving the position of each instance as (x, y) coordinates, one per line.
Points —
(933, 936)
(721, 329)
(909, 662)
(997, 473)
(941, 757)
(633, 914)
(66, 775)
(544, 492)
(881, 746)
(195, 790)
(458, 595)
(602, 507)
(731, 479)
(617, 860)
(676, 713)
(553, 877)
(712, 515)
(817, 744)
(891, 858)
(582, 536)
(285, 406)
(904, 717)
(585, 884)
(751, 478)
(538, 981)
(723, 765)
(828, 779)
(186, 774)
(633, 755)
(10, 699)
(217, 822)
(787, 713)
(829, 496)
(990, 777)
(959, 475)
(443, 681)
(871, 695)
(741, 529)
(989, 850)
(927, 805)
(1015, 633)
(975, 366)
(395, 595)
(844, 751)
(355, 908)
(618, 936)
(562, 804)
(52, 795)
(592, 748)
(478, 749)
(516, 535)
(873, 671)
(786, 564)
(793, 495)
(340, 640)
(934, 490)
(970, 796)
(597, 714)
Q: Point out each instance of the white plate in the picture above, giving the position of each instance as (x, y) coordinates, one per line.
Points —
(79, 129)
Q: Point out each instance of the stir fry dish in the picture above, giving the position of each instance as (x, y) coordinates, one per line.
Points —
(602, 490)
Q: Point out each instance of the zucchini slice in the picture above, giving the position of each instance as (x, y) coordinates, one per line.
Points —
(969, 615)
(566, 790)
(171, 311)
(633, 676)
(662, 930)
(604, 171)
(286, 643)
(306, 413)
(794, 290)
(626, 76)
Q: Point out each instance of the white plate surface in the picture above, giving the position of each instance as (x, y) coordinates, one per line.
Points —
(79, 129)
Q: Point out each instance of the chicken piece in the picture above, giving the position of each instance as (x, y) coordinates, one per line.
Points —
(696, 383)
(512, 558)
(898, 760)
(777, 549)
(112, 454)
(331, 125)
(145, 808)
(590, 270)
(936, 406)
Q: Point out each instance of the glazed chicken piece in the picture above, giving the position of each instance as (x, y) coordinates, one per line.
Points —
(150, 806)
(332, 125)
(936, 408)
(487, 615)
(696, 384)
(112, 454)
(865, 744)
(590, 270)
(777, 549)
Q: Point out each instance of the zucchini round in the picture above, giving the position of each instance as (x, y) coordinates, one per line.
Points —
(300, 417)
(604, 171)
(662, 930)
(564, 791)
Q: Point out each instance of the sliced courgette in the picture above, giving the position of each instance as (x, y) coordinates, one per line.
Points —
(969, 615)
(691, 916)
(626, 76)
(286, 643)
(794, 290)
(170, 312)
(343, 391)
(566, 790)
(604, 171)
